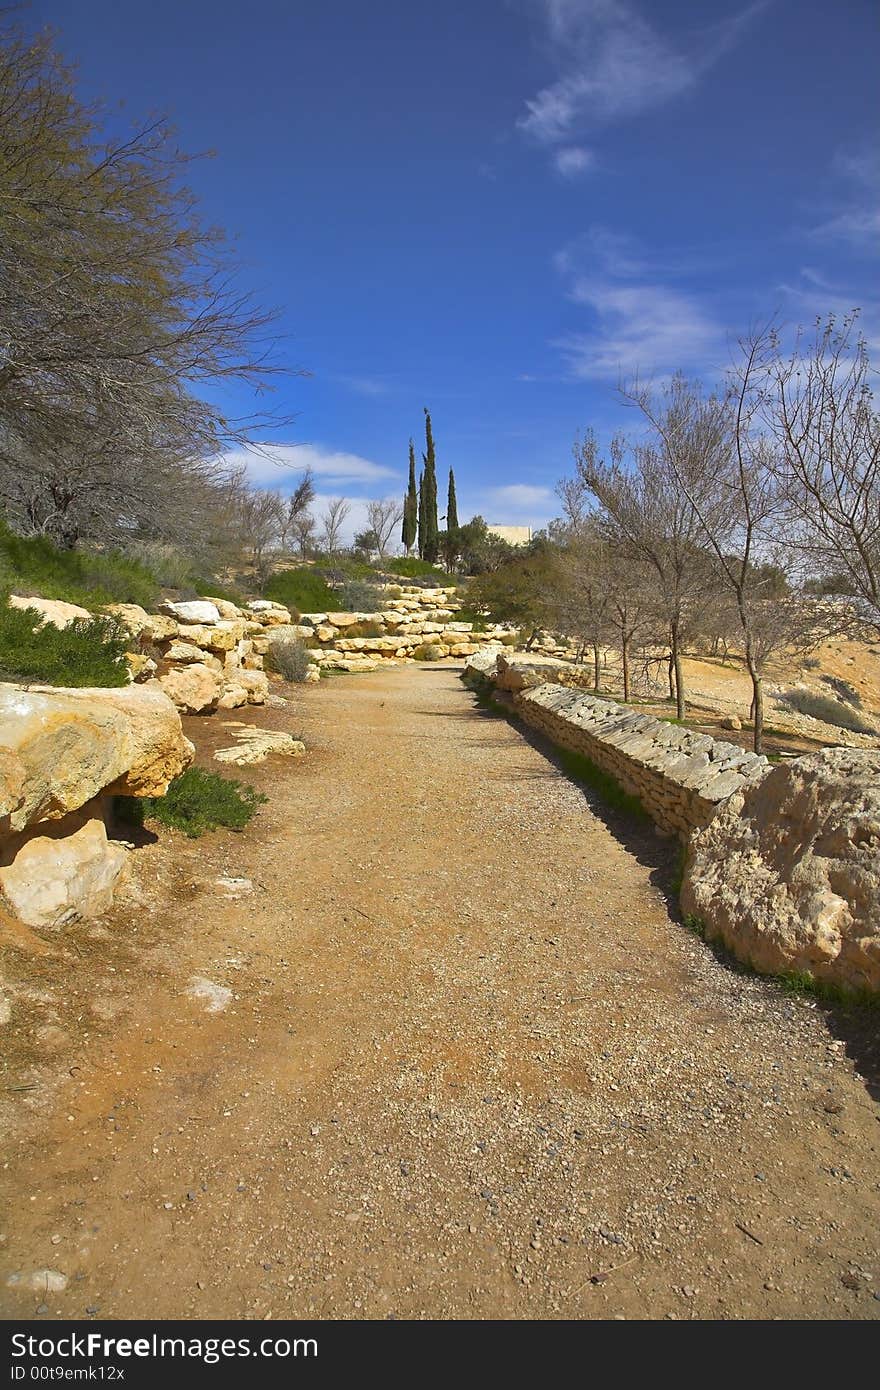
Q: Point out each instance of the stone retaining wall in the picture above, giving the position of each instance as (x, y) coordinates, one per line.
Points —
(679, 776)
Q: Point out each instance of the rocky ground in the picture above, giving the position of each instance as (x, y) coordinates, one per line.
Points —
(427, 1040)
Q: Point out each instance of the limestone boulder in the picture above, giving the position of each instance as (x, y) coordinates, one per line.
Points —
(226, 609)
(55, 878)
(787, 872)
(525, 673)
(194, 689)
(233, 697)
(68, 746)
(193, 611)
(256, 683)
(183, 653)
(51, 610)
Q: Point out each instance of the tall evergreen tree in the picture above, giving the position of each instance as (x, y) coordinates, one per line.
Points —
(422, 526)
(432, 528)
(451, 523)
(410, 505)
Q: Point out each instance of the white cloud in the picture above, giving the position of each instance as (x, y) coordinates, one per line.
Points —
(281, 465)
(521, 497)
(365, 385)
(614, 64)
(573, 160)
(857, 219)
(638, 324)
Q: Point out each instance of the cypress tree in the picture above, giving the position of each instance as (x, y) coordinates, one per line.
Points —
(432, 528)
(410, 505)
(451, 523)
(423, 516)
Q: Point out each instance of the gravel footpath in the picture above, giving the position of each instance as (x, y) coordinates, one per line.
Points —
(451, 1056)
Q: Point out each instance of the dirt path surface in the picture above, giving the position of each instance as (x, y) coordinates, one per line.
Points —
(469, 1066)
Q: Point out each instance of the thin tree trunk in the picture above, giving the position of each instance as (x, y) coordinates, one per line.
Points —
(597, 674)
(624, 651)
(757, 702)
(679, 677)
(670, 671)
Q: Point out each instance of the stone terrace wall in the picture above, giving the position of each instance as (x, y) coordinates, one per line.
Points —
(679, 776)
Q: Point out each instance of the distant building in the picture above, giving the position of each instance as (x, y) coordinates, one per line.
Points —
(514, 535)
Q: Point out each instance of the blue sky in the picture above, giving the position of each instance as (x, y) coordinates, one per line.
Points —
(497, 207)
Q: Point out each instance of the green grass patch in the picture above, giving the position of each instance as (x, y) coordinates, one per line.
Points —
(89, 652)
(303, 591)
(196, 801)
(91, 578)
(411, 567)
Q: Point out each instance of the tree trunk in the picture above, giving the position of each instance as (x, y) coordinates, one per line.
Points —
(757, 708)
(670, 671)
(624, 651)
(597, 674)
(679, 677)
(530, 642)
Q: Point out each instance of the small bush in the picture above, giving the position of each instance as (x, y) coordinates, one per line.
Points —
(428, 651)
(368, 629)
(393, 591)
(358, 597)
(289, 656)
(411, 567)
(303, 591)
(195, 802)
(829, 710)
(90, 651)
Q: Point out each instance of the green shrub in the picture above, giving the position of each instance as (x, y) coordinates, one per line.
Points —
(411, 567)
(90, 651)
(829, 710)
(428, 651)
(91, 578)
(358, 597)
(289, 656)
(474, 616)
(303, 591)
(195, 802)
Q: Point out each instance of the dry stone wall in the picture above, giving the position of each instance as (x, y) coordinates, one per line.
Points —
(679, 776)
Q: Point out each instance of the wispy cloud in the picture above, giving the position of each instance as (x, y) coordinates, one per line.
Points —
(613, 63)
(280, 467)
(856, 219)
(365, 385)
(572, 161)
(516, 504)
(639, 322)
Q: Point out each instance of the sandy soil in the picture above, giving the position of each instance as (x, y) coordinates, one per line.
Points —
(469, 1065)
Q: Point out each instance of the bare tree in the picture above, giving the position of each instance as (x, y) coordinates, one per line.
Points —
(298, 504)
(261, 514)
(304, 532)
(739, 502)
(382, 518)
(820, 409)
(645, 509)
(332, 521)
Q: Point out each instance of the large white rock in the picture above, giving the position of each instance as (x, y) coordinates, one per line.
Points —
(787, 873)
(54, 880)
(194, 611)
(61, 748)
